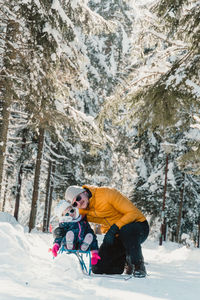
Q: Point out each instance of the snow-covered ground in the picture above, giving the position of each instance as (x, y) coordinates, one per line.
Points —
(28, 272)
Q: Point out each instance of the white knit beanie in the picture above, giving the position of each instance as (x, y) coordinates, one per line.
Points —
(60, 207)
(73, 191)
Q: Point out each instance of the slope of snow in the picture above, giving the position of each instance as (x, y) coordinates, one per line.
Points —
(28, 272)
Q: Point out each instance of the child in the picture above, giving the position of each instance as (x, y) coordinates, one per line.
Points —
(74, 231)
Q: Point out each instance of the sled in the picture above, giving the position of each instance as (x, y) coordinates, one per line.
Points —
(82, 256)
(86, 268)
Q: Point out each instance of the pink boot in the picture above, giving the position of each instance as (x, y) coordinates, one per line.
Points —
(86, 242)
(70, 240)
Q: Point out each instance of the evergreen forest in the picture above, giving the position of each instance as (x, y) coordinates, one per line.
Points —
(101, 92)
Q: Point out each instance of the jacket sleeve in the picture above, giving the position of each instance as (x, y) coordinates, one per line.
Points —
(125, 207)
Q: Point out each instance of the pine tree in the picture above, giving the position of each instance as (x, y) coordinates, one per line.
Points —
(156, 98)
(50, 60)
(7, 84)
(161, 100)
(182, 189)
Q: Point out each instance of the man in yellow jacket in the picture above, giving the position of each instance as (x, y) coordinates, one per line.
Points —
(125, 226)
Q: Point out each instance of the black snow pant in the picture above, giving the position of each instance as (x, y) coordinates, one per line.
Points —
(128, 243)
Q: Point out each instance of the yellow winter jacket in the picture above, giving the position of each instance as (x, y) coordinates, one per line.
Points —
(108, 206)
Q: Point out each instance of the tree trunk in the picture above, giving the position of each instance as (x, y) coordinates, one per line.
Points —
(7, 89)
(46, 208)
(5, 195)
(19, 181)
(19, 184)
(33, 212)
(163, 225)
(180, 211)
(51, 194)
(198, 236)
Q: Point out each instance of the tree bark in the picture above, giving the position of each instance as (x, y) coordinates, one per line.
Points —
(5, 195)
(180, 211)
(46, 207)
(198, 236)
(19, 181)
(33, 212)
(51, 194)
(19, 184)
(163, 225)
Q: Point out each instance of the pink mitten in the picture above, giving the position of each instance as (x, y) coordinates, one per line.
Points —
(95, 257)
(55, 249)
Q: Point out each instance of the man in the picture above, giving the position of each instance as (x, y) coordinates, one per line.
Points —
(125, 226)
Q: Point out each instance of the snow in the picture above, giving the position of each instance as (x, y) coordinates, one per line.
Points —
(170, 175)
(56, 5)
(194, 133)
(195, 87)
(28, 271)
(175, 79)
(140, 164)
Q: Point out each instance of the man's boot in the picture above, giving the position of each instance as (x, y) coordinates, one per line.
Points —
(140, 270)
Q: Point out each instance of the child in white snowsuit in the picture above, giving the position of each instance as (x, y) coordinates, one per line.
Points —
(74, 231)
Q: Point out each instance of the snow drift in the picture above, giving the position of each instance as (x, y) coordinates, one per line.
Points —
(28, 272)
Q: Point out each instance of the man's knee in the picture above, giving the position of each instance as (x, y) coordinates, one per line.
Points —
(134, 232)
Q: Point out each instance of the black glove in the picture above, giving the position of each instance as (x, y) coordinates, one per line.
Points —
(59, 232)
(110, 235)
